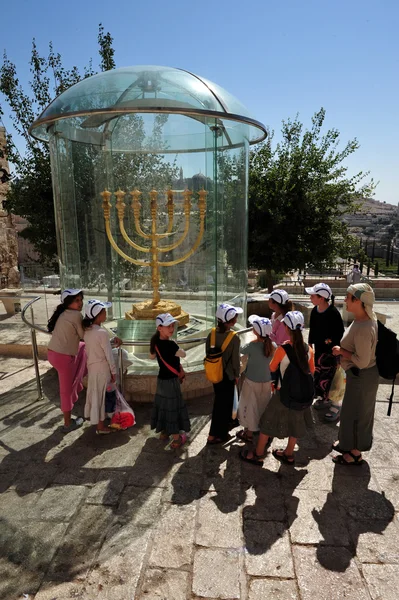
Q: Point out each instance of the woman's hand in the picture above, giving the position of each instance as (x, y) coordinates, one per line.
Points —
(117, 342)
(112, 377)
(336, 350)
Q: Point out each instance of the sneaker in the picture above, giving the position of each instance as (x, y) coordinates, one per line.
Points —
(75, 424)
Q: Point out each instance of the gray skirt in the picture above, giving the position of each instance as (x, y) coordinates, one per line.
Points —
(169, 413)
(357, 413)
(282, 422)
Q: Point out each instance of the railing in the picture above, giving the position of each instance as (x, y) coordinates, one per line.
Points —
(33, 327)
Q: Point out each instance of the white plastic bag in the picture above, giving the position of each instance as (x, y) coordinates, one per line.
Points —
(338, 385)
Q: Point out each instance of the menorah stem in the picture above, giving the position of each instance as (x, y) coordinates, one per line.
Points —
(154, 249)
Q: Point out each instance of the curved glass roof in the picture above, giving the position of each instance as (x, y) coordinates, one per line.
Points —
(93, 103)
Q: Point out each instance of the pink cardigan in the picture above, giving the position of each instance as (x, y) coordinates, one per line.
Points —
(279, 333)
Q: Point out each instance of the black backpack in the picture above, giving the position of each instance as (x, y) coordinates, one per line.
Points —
(297, 388)
(387, 357)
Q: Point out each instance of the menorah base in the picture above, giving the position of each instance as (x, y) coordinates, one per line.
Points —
(145, 311)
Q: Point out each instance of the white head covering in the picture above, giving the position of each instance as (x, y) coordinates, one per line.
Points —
(364, 293)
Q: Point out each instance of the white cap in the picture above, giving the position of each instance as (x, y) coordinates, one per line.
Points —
(294, 320)
(279, 296)
(261, 325)
(94, 307)
(321, 289)
(226, 312)
(69, 292)
(165, 319)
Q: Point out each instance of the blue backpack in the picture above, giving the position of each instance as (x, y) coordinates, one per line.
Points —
(297, 387)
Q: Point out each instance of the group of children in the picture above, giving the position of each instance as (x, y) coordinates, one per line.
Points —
(277, 343)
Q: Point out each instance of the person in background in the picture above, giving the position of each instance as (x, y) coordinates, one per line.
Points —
(326, 329)
(66, 352)
(226, 316)
(357, 353)
(280, 304)
(355, 275)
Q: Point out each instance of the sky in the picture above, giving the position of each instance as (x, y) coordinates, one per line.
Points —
(279, 58)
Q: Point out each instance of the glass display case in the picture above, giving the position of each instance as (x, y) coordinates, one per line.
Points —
(150, 177)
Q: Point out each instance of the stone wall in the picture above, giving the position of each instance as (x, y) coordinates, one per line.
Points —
(8, 235)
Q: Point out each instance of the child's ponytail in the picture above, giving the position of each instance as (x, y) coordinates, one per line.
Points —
(87, 322)
(153, 342)
(286, 307)
(268, 347)
(332, 300)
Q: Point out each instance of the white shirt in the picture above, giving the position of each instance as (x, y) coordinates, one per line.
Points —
(98, 348)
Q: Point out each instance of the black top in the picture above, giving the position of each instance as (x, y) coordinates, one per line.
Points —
(167, 349)
(327, 325)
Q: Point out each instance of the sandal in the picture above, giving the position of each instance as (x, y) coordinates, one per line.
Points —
(322, 403)
(103, 431)
(255, 460)
(217, 440)
(176, 444)
(333, 414)
(243, 436)
(75, 424)
(341, 460)
(287, 459)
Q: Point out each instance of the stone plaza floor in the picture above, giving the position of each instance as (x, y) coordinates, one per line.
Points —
(124, 517)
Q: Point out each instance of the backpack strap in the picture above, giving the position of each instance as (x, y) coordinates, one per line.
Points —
(213, 337)
(227, 340)
(390, 402)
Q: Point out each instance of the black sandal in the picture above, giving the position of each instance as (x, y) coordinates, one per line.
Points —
(217, 440)
(244, 437)
(255, 460)
(284, 458)
(341, 460)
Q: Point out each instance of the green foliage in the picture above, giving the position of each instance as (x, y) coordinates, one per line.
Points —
(30, 194)
(298, 191)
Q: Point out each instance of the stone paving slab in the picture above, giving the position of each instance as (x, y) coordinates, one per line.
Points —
(125, 518)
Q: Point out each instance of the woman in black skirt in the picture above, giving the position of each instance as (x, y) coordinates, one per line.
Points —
(169, 414)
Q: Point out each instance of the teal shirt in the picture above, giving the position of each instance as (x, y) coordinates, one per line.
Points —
(258, 364)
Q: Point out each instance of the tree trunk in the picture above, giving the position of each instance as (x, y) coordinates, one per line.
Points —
(269, 280)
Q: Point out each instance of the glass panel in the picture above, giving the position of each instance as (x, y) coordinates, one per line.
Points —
(201, 251)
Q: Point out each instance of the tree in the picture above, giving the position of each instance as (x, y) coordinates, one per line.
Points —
(298, 192)
(30, 194)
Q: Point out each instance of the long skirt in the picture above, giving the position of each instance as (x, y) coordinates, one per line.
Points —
(222, 408)
(71, 370)
(254, 398)
(325, 369)
(357, 413)
(282, 422)
(169, 413)
(99, 377)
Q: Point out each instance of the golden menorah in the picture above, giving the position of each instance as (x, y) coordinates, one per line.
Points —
(149, 310)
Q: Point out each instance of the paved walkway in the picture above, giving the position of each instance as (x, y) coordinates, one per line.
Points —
(123, 517)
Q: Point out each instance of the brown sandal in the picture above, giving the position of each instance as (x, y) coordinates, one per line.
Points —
(180, 442)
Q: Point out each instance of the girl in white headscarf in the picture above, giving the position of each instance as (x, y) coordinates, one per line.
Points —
(357, 352)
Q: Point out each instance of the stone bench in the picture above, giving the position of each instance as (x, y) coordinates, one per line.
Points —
(11, 300)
